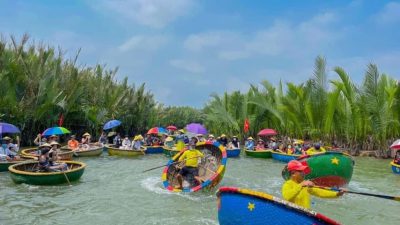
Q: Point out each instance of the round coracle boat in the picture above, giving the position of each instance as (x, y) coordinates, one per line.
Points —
(63, 154)
(125, 152)
(283, 157)
(233, 152)
(5, 164)
(28, 172)
(154, 149)
(395, 167)
(266, 153)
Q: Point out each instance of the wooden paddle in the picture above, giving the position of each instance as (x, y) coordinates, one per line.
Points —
(395, 198)
(169, 164)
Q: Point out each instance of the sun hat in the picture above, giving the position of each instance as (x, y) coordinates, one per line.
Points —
(211, 136)
(296, 165)
(223, 135)
(86, 134)
(6, 138)
(181, 130)
(45, 145)
(73, 136)
(53, 136)
(250, 138)
(169, 139)
(54, 143)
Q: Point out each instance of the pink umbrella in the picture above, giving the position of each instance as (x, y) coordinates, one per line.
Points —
(396, 144)
(171, 128)
(267, 132)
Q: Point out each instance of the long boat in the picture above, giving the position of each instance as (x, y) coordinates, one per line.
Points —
(211, 169)
(125, 152)
(237, 206)
(27, 173)
(266, 153)
(170, 152)
(233, 152)
(154, 149)
(63, 154)
(395, 167)
(5, 164)
(329, 169)
(283, 157)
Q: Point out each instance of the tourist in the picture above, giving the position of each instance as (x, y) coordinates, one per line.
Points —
(169, 142)
(85, 140)
(250, 143)
(148, 140)
(223, 140)
(211, 138)
(52, 138)
(8, 151)
(298, 191)
(317, 149)
(260, 144)
(201, 138)
(137, 142)
(397, 158)
(39, 140)
(53, 156)
(234, 144)
(73, 144)
(180, 144)
(126, 143)
(103, 138)
(45, 163)
(117, 141)
(191, 161)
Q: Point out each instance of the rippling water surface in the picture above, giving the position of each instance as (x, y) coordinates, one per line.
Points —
(115, 191)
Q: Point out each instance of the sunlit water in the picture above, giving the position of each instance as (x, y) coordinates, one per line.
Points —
(115, 191)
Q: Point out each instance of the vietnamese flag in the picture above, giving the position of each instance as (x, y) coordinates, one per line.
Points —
(61, 120)
(246, 125)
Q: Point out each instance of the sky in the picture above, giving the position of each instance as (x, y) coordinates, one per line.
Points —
(184, 50)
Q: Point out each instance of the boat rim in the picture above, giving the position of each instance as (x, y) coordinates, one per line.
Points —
(13, 170)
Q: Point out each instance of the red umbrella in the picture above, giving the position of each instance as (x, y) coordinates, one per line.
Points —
(396, 144)
(267, 132)
(172, 128)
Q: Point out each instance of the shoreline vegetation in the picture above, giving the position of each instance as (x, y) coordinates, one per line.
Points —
(39, 87)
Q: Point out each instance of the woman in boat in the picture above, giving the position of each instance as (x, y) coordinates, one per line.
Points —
(317, 149)
(169, 142)
(39, 140)
(191, 161)
(180, 144)
(298, 191)
(103, 138)
(250, 145)
(126, 143)
(8, 150)
(201, 138)
(211, 138)
(234, 144)
(397, 158)
(290, 150)
(73, 144)
(156, 141)
(45, 163)
(297, 148)
(260, 145)
(85, 141)
(223, 140)
(137, 143)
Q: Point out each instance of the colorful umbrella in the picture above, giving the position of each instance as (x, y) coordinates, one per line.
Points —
(396, 144)
(8, 128)
(111, 124)
(267, 132)
(55, 131)
(172, 128)
(196, 128)
(157, 130)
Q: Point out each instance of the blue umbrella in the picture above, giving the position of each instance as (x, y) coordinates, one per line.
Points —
(111, 124)
(8, 128)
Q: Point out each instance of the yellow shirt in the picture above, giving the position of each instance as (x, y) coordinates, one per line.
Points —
(190, 156)
(294, 192)
(313, 151)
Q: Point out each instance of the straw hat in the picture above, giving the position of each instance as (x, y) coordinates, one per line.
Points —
(86, 134)
(73, 136)
(53, 136)
(54, 143)
(169, 139)
(250, 138)
(45, 145)
(6, 138)
(211, 136)
(223, 135)
(182, 131)
(136, 138)
(110, 134)
(234, 136)
(140, 137)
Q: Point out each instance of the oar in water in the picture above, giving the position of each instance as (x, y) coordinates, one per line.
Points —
(396, 198)
(169, 164)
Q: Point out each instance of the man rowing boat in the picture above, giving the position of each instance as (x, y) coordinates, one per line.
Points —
(191, 159)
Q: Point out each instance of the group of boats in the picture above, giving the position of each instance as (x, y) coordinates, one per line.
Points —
(235, 205)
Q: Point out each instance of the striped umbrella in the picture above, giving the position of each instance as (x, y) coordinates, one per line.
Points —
(55, 131)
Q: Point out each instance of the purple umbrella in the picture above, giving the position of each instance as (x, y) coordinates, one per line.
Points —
(8, 128)
(196, 128)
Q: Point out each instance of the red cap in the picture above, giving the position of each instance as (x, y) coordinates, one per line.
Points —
(295, 165)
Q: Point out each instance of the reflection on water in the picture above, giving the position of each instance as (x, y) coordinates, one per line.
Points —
(115, 191)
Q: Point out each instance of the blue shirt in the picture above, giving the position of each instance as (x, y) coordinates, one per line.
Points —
(250, 145)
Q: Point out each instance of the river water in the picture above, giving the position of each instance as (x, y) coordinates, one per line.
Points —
(114, 191)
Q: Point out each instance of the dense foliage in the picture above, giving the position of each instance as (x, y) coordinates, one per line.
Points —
(365, 116)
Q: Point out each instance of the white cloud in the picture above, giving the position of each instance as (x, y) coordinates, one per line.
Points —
(389, 14)
(152, 13)
(143, 43)
(187, 65)
(198, 42)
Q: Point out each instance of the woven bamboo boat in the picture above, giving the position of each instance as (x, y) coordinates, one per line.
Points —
(94, 150)
(63, 154)
(211, 169)
(27, 173)
(283, 157)
(329, 169)
(5, 164)
(233, 152)
(259, 153)
(238, 206)
(395, 167)
(125, 152)
(154, 149)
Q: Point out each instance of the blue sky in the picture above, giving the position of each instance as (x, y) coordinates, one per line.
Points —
(186, 49)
